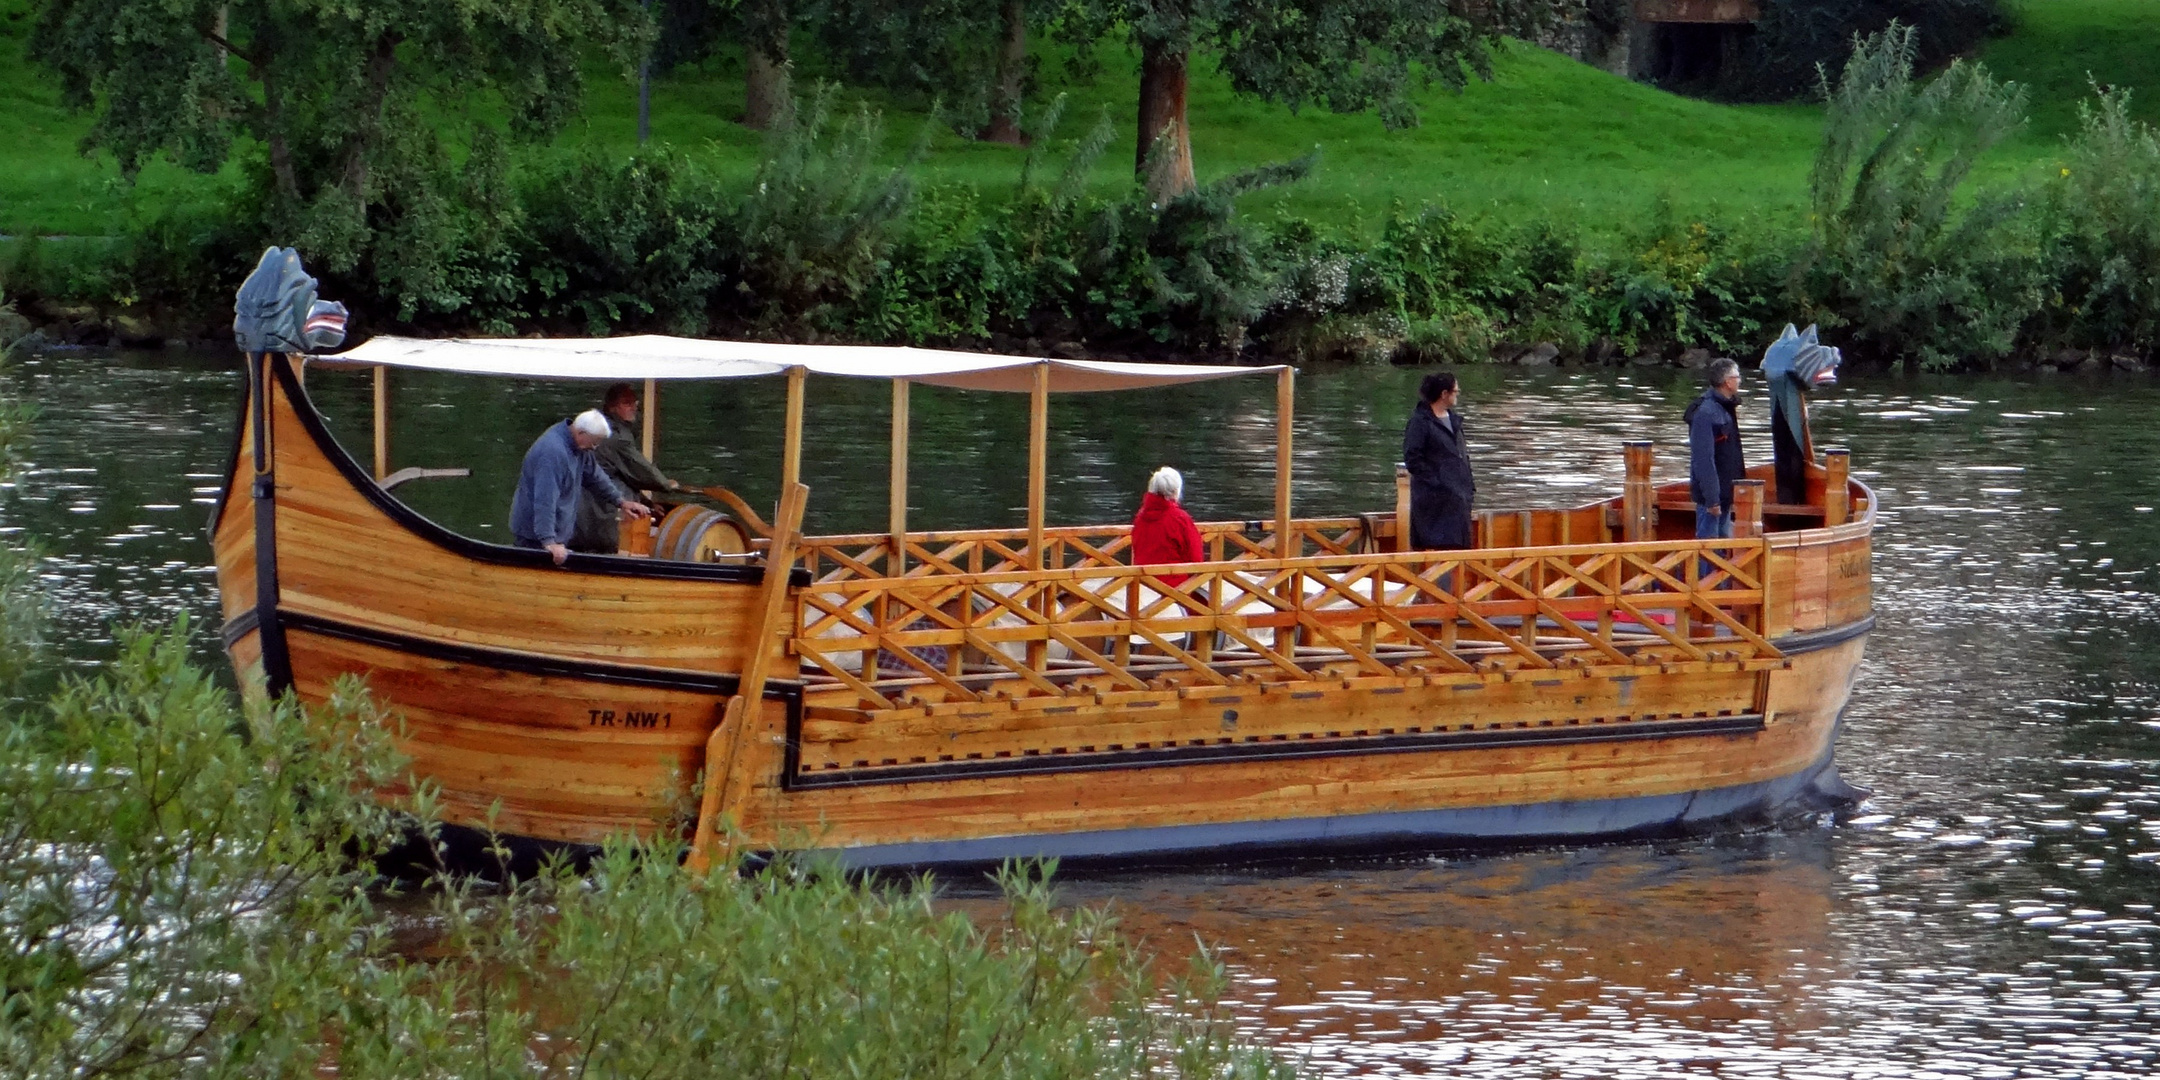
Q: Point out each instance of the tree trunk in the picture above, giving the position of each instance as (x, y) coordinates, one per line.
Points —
(765, 63)
(1011, 79)
(280, 144)
(1165, 151)
(360, 145)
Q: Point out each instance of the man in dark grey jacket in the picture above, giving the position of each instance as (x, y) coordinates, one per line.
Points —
(1714, 457)
(621, 460)
(543, 513)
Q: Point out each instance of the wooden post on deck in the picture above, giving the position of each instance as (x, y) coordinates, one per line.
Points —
(1402, 507)
(1837, 486)
(724, 758)
(1038, 462)
(896, 513)
(1287, 543)
(1638, 496)
(791, 448)
(1038, 652)
(1747, 503)
(652, 419)
(382, 422)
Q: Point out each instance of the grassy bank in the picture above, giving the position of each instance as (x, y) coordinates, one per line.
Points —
(2062, 45)
(1548, 138)
(1552, 204)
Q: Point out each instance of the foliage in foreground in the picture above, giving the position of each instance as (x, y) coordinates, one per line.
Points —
(186, 889)
(22, 609)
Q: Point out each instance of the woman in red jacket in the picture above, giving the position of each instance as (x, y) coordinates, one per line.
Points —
(1162, 532)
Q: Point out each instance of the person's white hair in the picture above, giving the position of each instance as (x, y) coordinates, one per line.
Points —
(591, 422)
(1167, 483)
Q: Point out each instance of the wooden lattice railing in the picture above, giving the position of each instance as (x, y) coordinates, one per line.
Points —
(1097, 627)
(994, 551)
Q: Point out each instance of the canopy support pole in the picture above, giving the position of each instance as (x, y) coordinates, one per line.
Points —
(791, 447)
(652, 418)
(382, 422)
(1038, 462)
(1038, 652)
(896, 565)
(1287, 545)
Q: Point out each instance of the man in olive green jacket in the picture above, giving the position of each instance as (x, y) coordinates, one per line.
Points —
(620, 459)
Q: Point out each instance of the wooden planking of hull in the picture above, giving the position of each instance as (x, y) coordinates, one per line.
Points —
(1087, 709)
(573, 703)
(1530, 767)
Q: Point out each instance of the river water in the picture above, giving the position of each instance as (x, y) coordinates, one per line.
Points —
(1987, 912)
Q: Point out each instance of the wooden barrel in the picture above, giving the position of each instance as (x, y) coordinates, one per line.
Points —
(699, 534)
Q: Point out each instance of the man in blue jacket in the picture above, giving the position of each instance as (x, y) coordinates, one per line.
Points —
(543, 513)
(1714, 458)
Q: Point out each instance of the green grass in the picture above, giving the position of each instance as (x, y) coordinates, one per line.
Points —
(1547, 138)
(2058, 43)
(47, 187)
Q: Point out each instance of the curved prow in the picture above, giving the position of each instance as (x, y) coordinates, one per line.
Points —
(569, 702)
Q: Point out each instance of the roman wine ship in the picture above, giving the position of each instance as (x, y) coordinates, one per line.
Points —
(913, 697)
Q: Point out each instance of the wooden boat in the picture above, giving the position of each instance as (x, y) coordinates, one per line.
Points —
(910, 697)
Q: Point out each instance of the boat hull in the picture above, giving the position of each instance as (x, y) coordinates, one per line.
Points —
(561, 706)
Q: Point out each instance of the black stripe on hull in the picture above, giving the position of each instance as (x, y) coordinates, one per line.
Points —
(524, 663)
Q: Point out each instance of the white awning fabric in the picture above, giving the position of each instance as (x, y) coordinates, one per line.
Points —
(653, 356)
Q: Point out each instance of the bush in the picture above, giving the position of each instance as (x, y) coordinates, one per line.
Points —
(1463, 283)
(185, 889)
(812, 232)
(178, 876)
(1186, 272)
(22, 605)
(637, 969)
(1898, 259)
(622, 244)
(1691, 285)
(2103, 216)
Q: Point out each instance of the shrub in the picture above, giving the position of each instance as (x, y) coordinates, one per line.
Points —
(614, 244)
(942, 281)
(185, 890)
(1186, 271)
(22, 605)
(814, 229)
(2103, 212)
(178, 876)
(1897, 258)
(1450, 275)
(1696, 284)
(636, 969)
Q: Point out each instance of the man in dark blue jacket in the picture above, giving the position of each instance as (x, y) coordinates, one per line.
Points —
(1714, 458)
(543, 513)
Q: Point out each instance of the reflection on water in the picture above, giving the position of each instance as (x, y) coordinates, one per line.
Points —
(1989, 912)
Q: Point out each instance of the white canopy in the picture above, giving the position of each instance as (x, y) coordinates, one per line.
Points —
(653, 356)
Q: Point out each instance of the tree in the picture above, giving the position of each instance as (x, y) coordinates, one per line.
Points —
(692, 30)
(971, 57)
(338, 96)
(1346, 55)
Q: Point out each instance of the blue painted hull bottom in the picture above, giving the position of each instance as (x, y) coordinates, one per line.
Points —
(1813, 789)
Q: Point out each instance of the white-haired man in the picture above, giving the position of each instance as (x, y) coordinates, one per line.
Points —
(543, 513)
